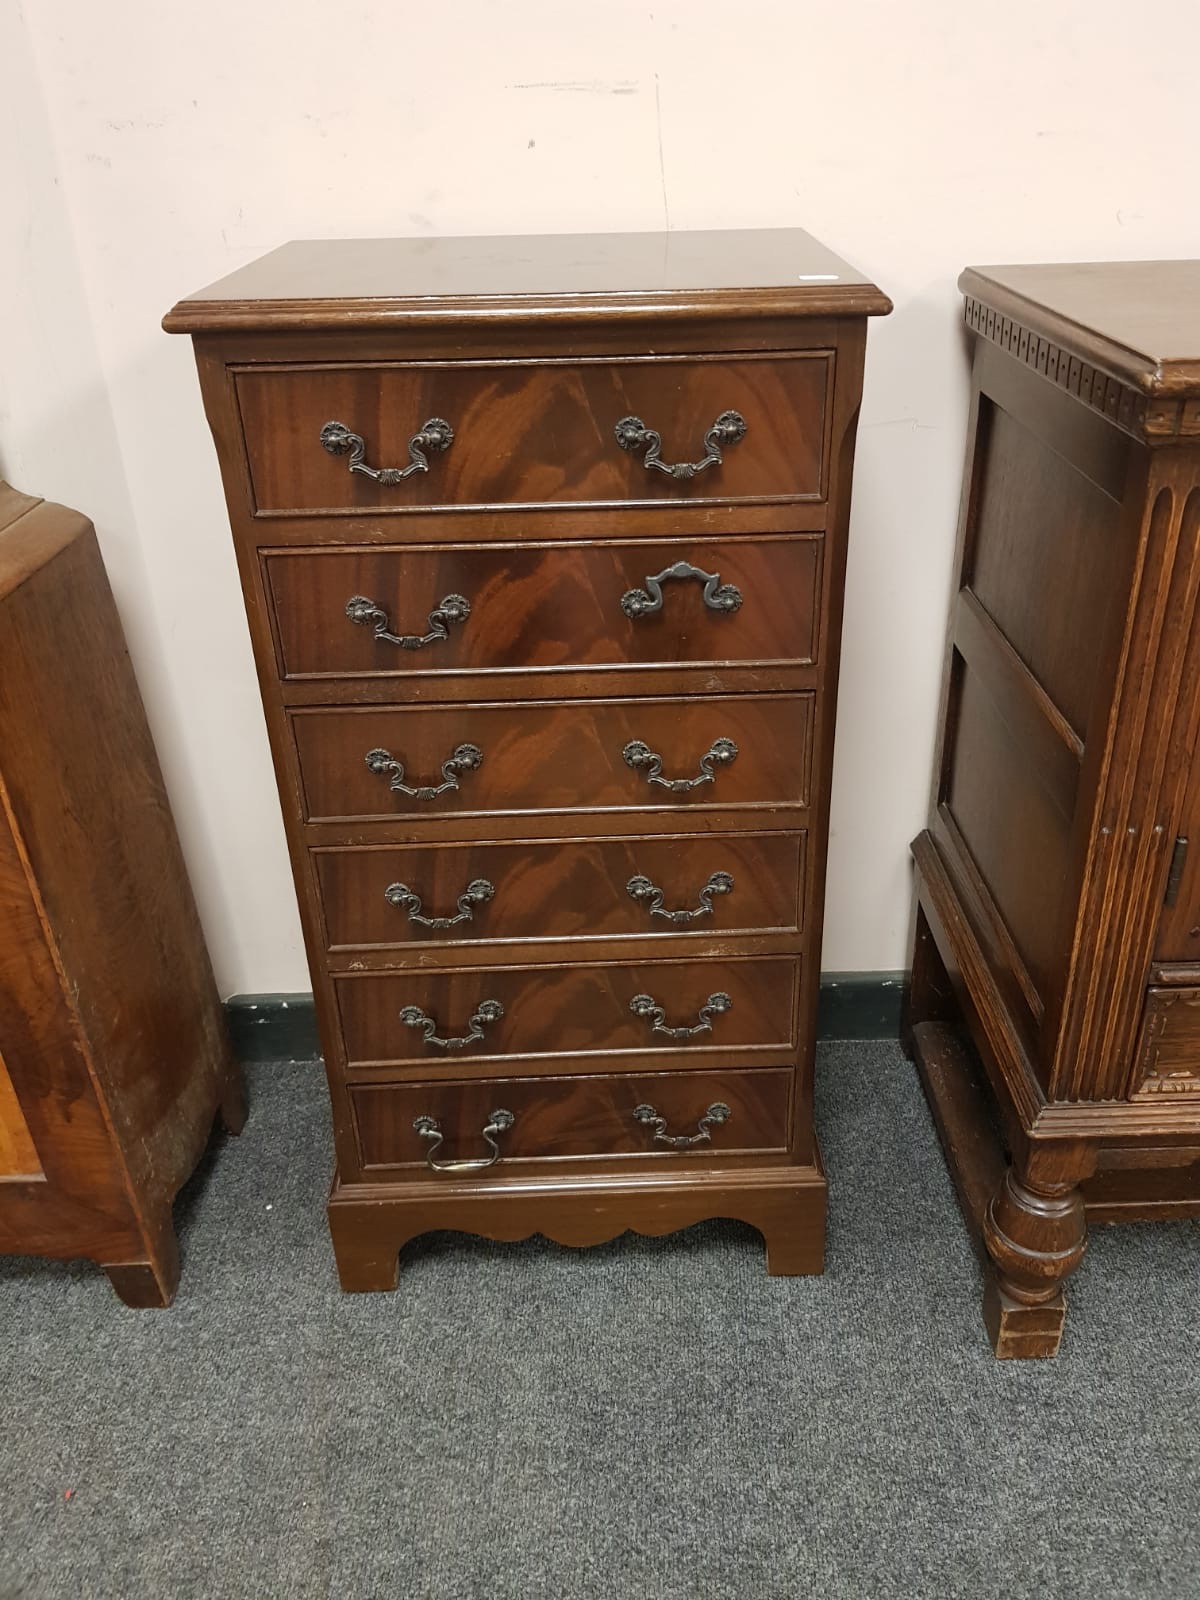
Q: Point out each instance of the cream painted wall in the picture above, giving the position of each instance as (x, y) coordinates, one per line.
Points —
(159, 146)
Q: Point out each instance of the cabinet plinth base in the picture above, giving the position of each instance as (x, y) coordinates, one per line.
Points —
(370, 1223)
(1019, 1332)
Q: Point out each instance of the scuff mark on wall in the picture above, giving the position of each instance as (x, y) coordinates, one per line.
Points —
(586, 86)
(662, 170)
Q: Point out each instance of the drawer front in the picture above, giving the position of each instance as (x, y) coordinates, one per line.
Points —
(387, 612)
(1168, 1052)
(564, 1118)
(503, 1013)
(527, 433)
(574, 889)
(584, 755)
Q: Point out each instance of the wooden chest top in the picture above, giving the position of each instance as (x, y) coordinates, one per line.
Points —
(1136, 320)
(364, 283)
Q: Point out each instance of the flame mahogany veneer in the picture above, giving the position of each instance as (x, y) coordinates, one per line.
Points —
(552, 722)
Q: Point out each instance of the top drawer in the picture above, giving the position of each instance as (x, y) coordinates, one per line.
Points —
(535, 433)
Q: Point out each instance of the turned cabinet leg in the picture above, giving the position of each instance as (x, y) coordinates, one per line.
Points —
(1035, 1233)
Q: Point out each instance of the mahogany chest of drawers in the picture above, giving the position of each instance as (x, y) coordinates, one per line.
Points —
(1059, 878)
(114, 1057)
(542, 543)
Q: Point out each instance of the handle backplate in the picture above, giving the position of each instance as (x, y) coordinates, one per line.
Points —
(725, 598)
(651, 896)
(646, 1007)
(477, 893)
(641, 758)
(464, 758)
(632, 434)
(430, 1128)
(716, 1114)
(485, 1012)
(435, 434)
(367, 613)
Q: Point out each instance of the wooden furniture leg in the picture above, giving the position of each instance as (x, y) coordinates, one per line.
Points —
(149, 1284)
(232, 1107)
(1026, 1219)
(1035, 1234)
(367, 1257)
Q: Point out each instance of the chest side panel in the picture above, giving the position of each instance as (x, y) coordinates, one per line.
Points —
(1043, 584)
(60, 1190)
(89, 803)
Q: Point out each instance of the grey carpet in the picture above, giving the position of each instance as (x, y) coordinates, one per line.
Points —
(647, 1420)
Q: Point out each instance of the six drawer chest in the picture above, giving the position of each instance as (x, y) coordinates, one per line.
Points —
(543, 543)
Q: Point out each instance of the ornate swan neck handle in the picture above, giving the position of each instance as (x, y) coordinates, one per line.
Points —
(435, 434)
(431, 1129)
(367, 613)
(645, 1006)
(477, 893)
(642, 759)
(485, 1012)
(725, 598)
(716, 1114)
(464, 758)
(651, 896)
(631, 433)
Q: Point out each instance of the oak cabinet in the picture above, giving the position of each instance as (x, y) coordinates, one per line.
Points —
(1058, 921)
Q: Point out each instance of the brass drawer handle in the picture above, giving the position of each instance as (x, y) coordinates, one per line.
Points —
(435, 435)
(477, 893)
(641, 758)
(644, 1005)
(651, 896)
(463, 758)
(486, 1011)
(716, 1114)
(718, 596)
(453, 608)
(633, 434)
(430, 1128)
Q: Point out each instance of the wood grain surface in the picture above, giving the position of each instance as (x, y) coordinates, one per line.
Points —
(528, 432)
(569, 1011)
(114, 1040)
(18, 1153)
(469, 286)
(543, 607)
(560, 757)
(557, 1118)
(562, 889)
